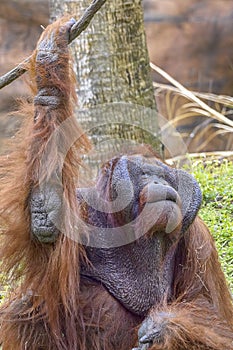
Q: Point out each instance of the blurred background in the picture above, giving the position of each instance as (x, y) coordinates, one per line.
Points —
(191, 40)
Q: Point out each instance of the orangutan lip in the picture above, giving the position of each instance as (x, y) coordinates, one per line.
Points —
(153, 193)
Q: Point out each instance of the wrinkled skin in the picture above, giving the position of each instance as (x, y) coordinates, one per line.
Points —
(151, 332)
(152, 268)
(159, 203)
(136, 213)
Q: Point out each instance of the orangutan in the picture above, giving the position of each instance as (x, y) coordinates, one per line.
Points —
(123, 264)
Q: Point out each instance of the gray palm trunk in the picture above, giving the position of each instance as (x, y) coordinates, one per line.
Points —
(116, 98)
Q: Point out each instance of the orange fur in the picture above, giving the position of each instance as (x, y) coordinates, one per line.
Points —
(49, 306)
(200, 317)
(50, 272)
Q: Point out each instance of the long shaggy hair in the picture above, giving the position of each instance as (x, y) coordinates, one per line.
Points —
(49, 307)
(50, 273)
(200, 317)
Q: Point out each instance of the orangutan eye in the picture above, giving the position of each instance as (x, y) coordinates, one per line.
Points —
(145, 174)
(147, 171)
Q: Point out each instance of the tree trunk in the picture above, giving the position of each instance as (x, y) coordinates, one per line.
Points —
(116, 97)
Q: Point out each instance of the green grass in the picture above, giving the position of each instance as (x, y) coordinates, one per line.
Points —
(216, 181)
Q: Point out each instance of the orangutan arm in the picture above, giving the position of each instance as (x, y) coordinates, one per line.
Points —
(54, 127)
(200, 317)
(51, 71)
(185, 326)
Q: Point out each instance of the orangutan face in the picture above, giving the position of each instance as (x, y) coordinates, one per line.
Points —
(136, 214)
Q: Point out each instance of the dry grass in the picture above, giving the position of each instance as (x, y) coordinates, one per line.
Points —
(209, 113)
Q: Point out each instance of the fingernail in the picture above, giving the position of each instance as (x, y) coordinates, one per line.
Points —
(145, 339)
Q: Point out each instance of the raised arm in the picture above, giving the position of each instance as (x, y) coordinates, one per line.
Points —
(54, 128)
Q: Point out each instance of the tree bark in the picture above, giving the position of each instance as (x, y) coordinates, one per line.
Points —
(116, 97)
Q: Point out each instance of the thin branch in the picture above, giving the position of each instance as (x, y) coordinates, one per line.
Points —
(76, 30)
(84, 21)
(16, 72)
